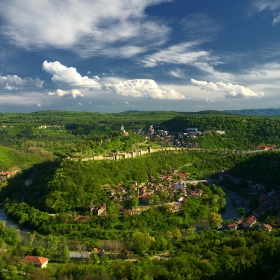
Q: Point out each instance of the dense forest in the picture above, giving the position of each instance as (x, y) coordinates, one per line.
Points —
(66, 132)
(152, 202)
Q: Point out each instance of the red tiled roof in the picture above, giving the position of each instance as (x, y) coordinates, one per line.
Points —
(181, 175)
(263, 147)
(36, 260)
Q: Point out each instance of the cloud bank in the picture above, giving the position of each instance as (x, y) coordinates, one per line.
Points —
(14, 82)
(229, 89)
(69, 75)
(85, 26)
(74, 93)
(144, 88)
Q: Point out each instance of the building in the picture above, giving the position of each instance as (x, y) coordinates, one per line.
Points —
(36, 260)
(265, 226)
(151, 130)
(99, 210)
(265, 148)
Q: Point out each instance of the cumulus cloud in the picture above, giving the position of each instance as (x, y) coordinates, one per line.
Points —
(144, 88)
(183, 53)
(83, 25)
(74, 93)
(14, 82)
(69, 75)
(229, 89)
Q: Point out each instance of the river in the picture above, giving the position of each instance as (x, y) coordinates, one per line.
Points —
(24, 232)
(234, 201)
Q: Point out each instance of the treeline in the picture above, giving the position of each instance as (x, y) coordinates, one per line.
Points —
(62, 131)
(241, 132)
(210, 254)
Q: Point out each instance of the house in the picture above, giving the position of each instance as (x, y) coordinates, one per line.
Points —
(99, 210)
(249, 222)
(176, 206)
(37, 261)
(265, 148)
(196, 193)
(265, 226)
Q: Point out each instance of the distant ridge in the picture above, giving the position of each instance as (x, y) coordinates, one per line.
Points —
(272, 112)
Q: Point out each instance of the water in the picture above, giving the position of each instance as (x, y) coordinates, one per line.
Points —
(23, 232)
(235, 201)
(229, 212)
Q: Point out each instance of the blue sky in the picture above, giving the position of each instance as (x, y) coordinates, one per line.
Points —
(114, 56)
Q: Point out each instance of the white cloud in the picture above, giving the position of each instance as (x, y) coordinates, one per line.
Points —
(271, 5)
(74, 93)
(178, 73)
(85, 26)
(177, 54)
(269, 72)
(209, 99)
(229, 89)
(144, 88)
(69, 75)
(14, 82)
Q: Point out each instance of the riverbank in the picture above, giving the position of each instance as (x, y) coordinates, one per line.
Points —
(24, 232)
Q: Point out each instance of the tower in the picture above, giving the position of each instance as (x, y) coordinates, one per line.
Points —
(122, 129)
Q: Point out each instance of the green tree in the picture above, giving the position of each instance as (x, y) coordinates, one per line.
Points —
(241, 211)
(215, 218)
(64, 254)
(142, 242)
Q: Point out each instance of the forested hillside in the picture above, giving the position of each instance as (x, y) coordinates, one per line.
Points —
(73, 184)
(241, 132)
(19, 158)
(138, 217)
(256, 112)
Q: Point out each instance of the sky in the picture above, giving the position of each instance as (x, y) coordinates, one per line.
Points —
(147, 55)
